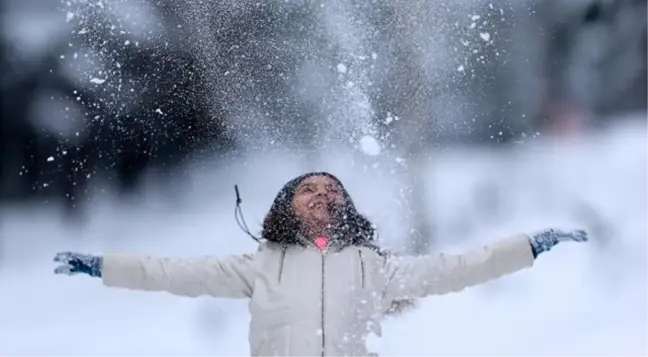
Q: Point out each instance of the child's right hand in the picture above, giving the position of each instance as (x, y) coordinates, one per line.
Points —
(76, 263)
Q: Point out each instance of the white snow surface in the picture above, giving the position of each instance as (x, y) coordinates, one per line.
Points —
(578, 299)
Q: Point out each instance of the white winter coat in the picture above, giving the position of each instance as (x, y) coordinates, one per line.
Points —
(307, 303)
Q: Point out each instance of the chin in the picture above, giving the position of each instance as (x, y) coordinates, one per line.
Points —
(323, 221)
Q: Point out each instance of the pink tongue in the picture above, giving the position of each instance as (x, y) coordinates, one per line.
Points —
(320, 243)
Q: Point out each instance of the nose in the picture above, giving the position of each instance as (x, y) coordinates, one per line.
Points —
(321, 191)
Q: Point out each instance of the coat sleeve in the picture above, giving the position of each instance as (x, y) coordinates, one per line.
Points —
(410, 277)
(228, 276)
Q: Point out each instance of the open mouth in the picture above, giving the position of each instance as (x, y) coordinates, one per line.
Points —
(317, 204)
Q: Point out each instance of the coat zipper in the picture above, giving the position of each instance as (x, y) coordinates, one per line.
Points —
(323, 286)
(362, 269)
(281, 263)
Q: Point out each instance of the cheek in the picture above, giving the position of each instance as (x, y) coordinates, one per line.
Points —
(298, 206)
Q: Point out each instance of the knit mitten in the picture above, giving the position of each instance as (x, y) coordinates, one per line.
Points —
(76, 263)
(544, 240)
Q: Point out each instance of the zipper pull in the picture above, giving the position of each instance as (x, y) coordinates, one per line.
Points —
(321, 243)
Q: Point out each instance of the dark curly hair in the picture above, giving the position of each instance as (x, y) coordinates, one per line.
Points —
(281, 226)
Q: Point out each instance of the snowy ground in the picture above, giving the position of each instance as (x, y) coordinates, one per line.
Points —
(577, 300)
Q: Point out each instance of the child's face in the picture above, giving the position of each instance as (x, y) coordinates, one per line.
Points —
(313, 199)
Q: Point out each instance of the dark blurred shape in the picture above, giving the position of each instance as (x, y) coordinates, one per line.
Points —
(157, 117)
(593, 13)
(594, 61)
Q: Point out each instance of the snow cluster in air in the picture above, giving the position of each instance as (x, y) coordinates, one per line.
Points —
(369, 145)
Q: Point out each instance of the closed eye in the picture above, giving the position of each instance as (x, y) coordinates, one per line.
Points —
(306, 188)
(333, 189)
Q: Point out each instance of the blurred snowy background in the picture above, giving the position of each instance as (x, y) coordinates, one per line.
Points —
(125, 125)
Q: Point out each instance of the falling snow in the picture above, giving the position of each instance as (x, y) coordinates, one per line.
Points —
(390, 118)
(370, 146)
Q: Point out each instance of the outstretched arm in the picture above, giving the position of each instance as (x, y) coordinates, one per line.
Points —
(414, 277)
(229, 276)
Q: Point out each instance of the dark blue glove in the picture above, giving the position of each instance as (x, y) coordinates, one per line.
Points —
(546, 239)
(75, 263)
